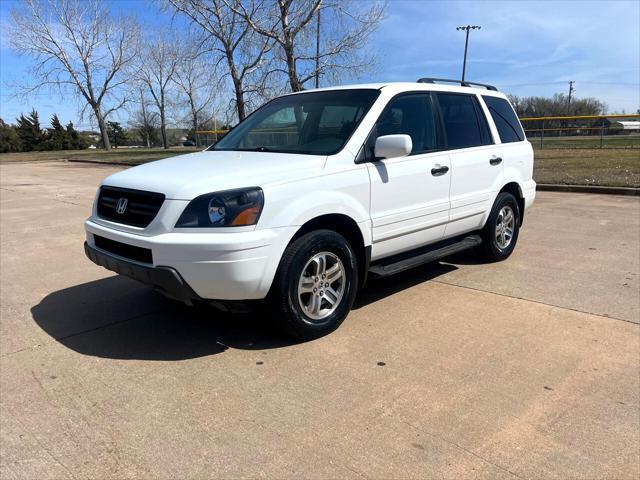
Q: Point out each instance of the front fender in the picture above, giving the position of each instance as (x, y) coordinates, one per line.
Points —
(289, 206)
(294, 204)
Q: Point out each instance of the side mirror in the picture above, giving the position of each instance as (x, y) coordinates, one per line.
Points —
(393, 146)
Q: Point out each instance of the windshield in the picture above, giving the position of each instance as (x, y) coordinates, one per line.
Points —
(314, 123)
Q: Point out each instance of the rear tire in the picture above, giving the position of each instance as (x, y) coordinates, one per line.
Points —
(315, 285)
(500, 233)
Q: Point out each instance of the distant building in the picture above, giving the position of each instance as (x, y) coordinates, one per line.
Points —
(619, 127)
(627, 125)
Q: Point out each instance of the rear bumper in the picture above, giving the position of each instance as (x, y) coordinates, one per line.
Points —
(165, 279)
(529, 193)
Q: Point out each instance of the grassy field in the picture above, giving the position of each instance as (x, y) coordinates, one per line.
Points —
(578, 166)
(608, 167)
(126, 156)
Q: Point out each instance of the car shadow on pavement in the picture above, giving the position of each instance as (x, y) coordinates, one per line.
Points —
(118, 318)
(379, 288)
(466, 257)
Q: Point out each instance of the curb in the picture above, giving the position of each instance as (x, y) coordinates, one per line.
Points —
(589, 189)
(132, 163)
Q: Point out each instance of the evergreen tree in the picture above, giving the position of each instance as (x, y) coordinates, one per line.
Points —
(57, 137)
(117, 135)
(9, 139)
(74, 140)
(30, 132)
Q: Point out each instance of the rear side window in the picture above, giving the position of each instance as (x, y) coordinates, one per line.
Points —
(505, 119)
(464, 123)
(412, 115)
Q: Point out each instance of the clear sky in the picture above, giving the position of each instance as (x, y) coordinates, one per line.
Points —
(524, 47)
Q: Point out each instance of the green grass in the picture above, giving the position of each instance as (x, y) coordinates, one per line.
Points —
(126, 156)
(605, 167)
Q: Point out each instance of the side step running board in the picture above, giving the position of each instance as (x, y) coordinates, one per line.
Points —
(405, 261)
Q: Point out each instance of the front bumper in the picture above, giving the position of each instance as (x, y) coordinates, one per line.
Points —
(216, 266)
(165, 279)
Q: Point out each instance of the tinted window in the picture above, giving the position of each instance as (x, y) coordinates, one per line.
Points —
(317, 123)
(464, 123)
(410, 115)
(505, 119)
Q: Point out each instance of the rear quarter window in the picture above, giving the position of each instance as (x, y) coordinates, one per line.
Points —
(505, 118)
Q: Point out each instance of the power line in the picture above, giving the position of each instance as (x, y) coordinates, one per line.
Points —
(560, 82)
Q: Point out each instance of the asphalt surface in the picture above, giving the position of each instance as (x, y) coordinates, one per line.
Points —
(529, 368)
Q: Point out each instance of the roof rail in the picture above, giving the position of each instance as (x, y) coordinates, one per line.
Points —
(463, 83)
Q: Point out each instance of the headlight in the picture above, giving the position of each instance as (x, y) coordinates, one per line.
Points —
(231, 208)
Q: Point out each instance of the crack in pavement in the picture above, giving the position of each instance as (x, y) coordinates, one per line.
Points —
(47, 197)
(539, 302)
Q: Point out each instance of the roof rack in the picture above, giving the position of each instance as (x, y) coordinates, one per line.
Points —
(463, 83)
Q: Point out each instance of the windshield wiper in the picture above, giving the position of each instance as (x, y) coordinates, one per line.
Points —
(258, 149)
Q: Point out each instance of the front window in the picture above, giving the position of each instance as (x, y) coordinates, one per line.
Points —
(314, 123)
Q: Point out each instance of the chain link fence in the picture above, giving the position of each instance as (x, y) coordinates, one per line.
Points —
(587, 131)
(205, 138)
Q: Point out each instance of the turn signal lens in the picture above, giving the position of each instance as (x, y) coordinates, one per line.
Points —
(247, 217)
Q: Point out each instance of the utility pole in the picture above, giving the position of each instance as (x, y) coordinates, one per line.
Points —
(570, 94)
(318, 51)
(466, 28)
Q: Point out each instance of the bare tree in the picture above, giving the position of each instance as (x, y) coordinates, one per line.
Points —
(144, 121)
(306, 52)
(77, 46)
(197, 79)
(232, 38)
(156, 70)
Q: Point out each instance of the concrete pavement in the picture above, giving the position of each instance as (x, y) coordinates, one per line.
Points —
(527, 368)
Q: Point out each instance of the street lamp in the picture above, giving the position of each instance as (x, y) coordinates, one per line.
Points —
(466, 44)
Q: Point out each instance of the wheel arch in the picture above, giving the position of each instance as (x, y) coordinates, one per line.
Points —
(349, 229)
(515, 189)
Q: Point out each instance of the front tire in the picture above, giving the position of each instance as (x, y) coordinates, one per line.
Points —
(315, 285)
(500, 233)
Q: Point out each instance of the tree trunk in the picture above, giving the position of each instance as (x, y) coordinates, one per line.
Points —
(194, 114)
(237, 84)
(163, 130)
(103, 128)
(240, 107)
(163, 122)
(291, 68)
(147, 137)
(195, 124)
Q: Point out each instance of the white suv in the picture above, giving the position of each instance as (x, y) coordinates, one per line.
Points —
(314, 191)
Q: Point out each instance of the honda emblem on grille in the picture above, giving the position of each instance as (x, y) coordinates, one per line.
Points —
(121, 205)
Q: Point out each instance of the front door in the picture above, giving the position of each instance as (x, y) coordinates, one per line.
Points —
(409, 195)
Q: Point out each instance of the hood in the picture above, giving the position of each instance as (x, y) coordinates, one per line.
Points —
(186, 176)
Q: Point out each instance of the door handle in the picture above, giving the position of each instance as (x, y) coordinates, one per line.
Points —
(437, 170)
(495, 160)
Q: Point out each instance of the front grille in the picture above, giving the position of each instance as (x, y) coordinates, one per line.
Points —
(140, 207)
(131, 252)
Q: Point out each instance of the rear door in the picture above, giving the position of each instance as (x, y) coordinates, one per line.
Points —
(476, 161)
(516, 151)
(409, 195)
